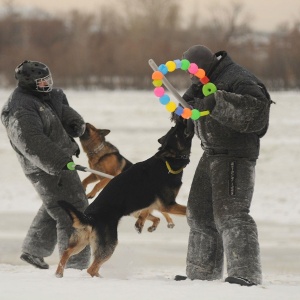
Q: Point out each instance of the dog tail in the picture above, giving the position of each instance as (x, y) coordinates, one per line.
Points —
(78, 218)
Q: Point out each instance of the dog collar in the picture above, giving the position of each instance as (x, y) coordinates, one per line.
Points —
(97, 149)
(172, 171)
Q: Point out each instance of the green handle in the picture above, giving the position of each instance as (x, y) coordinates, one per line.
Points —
(71, 166)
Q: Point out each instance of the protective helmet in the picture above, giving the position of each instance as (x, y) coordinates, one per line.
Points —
(203, 57)
(34, 76)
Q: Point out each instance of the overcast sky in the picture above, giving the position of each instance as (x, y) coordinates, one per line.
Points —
(266, 15)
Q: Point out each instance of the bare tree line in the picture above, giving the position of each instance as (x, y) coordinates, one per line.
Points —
(111, 48)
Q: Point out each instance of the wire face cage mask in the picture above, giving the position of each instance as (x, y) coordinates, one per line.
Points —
(44, 84)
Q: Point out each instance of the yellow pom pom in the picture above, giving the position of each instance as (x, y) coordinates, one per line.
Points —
(171, 65)
(171, 106)
(157, 82)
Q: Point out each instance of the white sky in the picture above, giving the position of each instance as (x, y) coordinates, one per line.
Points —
(266, 15)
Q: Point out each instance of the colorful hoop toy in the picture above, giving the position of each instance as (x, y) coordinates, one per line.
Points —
(170, 66)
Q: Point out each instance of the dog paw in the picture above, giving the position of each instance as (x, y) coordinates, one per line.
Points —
(152, 228)
(94, 274)
(171, 225)
(59, 275)
(90, 195)
(138, 229)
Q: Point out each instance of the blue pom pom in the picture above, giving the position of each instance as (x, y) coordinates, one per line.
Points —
(179, 110)
(165, 99)
(163, 68)
(178, 63)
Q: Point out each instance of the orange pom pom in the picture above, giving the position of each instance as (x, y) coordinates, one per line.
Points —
(200, 73)
(186, 113)
(157, 75)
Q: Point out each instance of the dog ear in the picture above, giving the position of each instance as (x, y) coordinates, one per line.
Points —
(103, 132)
(160, 140)
(164, 139)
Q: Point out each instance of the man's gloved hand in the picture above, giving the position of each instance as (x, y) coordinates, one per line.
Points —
(76, 129)
(206, 103)
(209, 102)
(70, 166)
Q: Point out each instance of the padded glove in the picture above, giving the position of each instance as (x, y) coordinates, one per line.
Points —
(76, 129)
(207, 103)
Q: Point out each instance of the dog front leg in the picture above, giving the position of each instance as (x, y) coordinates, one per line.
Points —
(168, 219)
(90, 179)
(99, 186)
(176, 209)
(155, 222)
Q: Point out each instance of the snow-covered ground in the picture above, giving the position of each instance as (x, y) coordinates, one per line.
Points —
(143, 266)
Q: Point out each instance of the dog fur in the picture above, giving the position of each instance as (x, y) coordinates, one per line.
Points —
(151, 184)
(105, 157)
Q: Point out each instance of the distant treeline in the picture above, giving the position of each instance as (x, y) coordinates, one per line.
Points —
(111, 47)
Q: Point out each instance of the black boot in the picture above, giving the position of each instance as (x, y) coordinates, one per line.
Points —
(180, 278)
(239, 280)
(38, 262)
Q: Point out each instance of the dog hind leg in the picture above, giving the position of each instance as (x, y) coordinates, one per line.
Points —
(100, 257)
(78, 241)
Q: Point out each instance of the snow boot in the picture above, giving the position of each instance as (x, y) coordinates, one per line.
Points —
(38, 262)
(180, 278)
(239, 280)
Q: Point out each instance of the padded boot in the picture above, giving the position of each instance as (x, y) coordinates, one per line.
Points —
(239, 280)
(38, 262)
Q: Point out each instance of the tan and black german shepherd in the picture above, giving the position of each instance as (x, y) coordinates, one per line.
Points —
(102, 156)
(106, 158)
(151, 184)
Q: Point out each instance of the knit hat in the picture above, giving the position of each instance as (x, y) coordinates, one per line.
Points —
(203, 57)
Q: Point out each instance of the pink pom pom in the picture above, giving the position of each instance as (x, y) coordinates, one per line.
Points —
(159, 91)
(193, 68)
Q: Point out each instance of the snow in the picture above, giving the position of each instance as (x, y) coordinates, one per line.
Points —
(143, 266)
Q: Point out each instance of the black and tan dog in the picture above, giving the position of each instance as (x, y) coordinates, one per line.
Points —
(102, 156)
(151, 184)
(106, 158)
